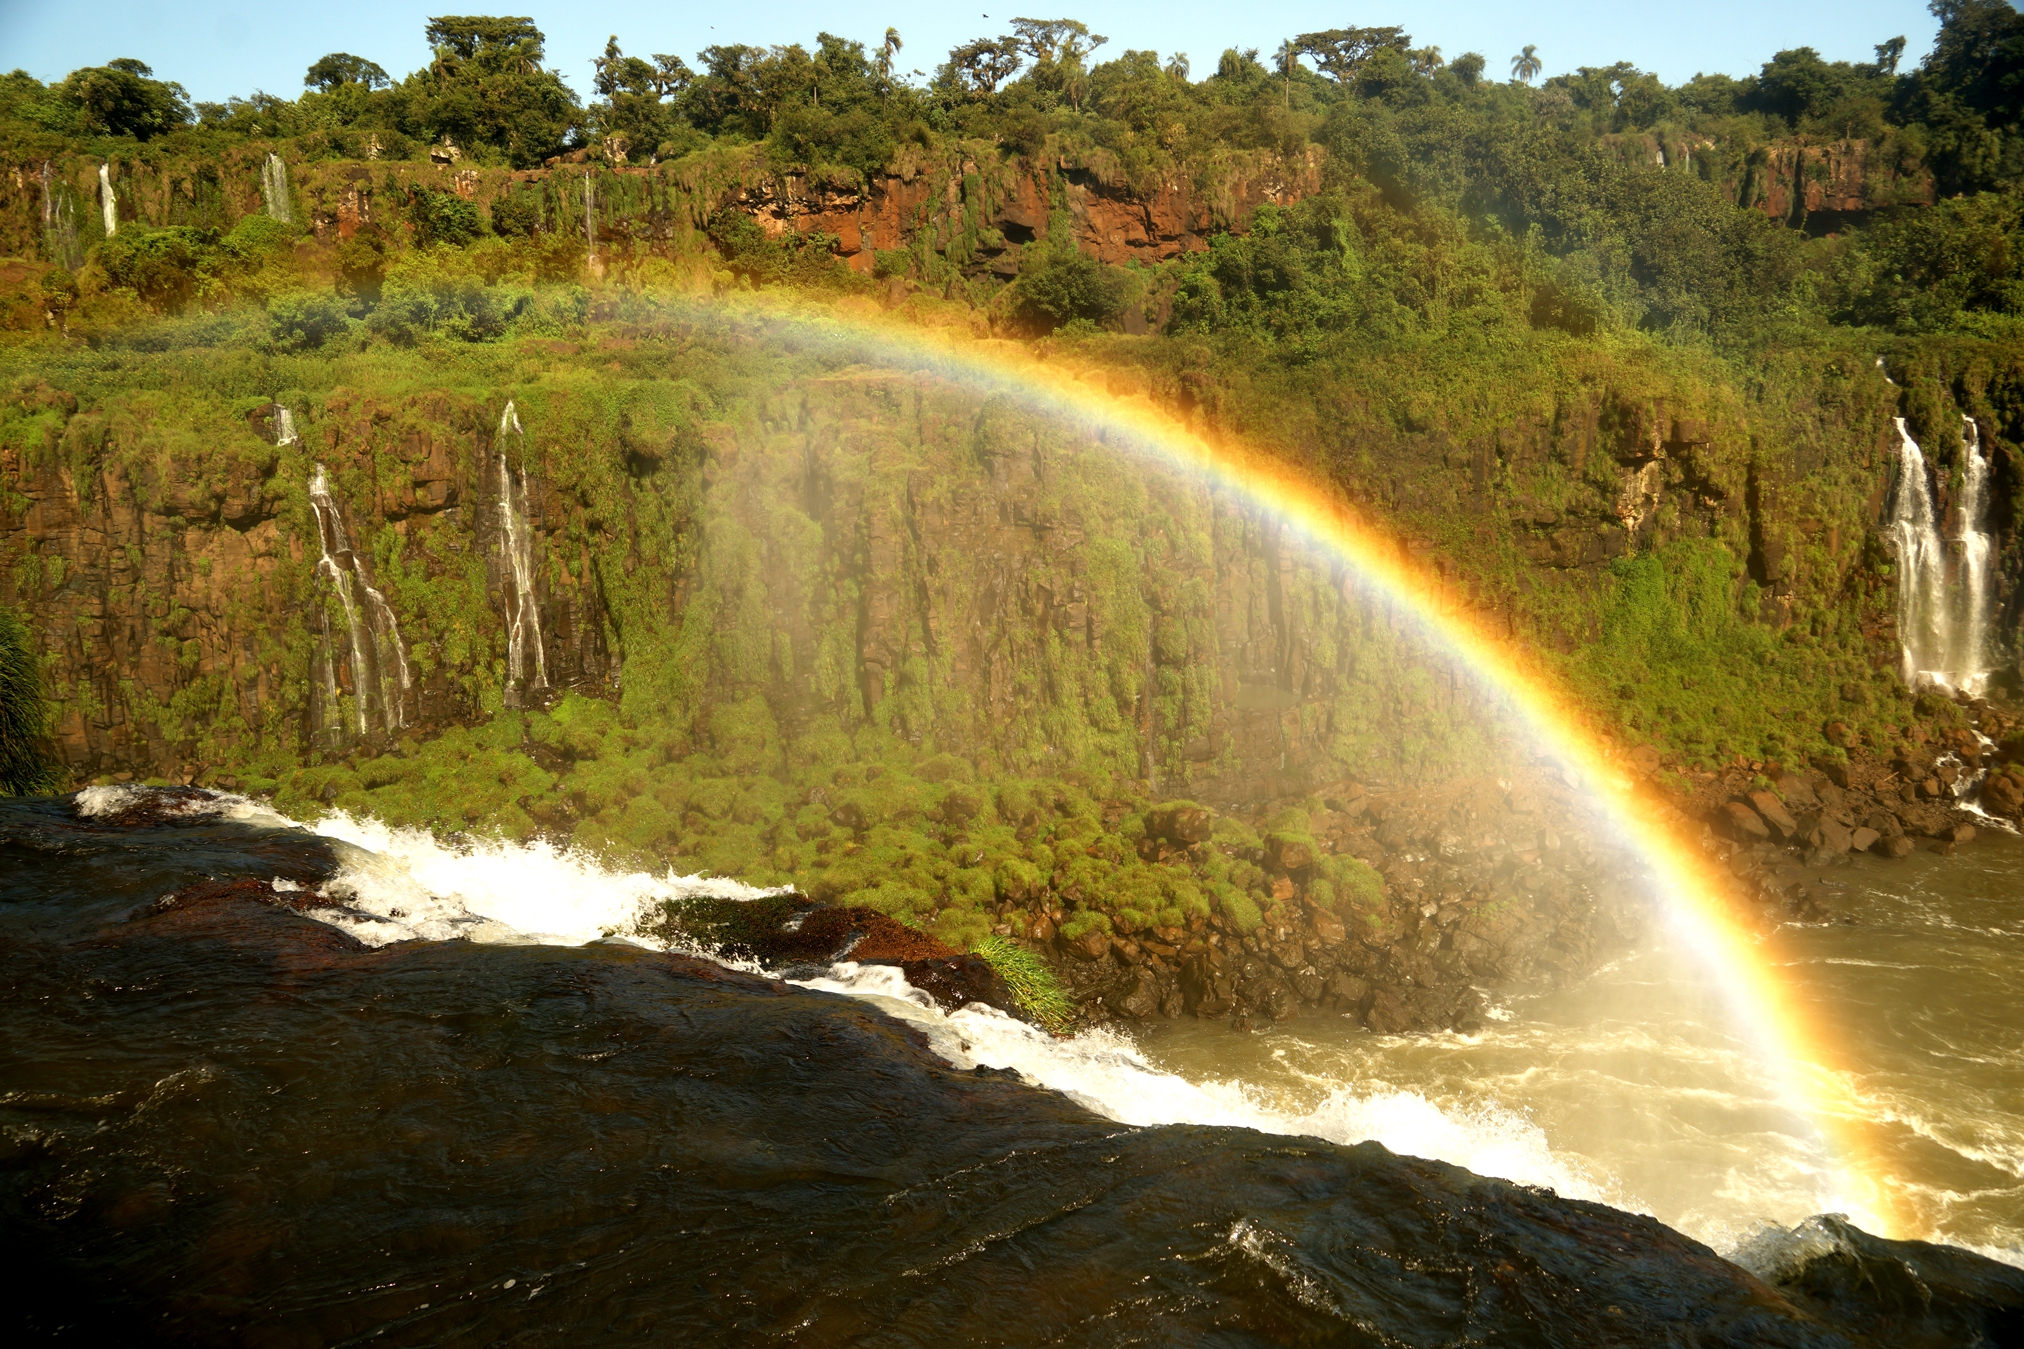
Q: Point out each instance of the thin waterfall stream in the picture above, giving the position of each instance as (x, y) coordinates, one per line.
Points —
(107, 202)
(379, 661)
(523, 609)
(274, 189)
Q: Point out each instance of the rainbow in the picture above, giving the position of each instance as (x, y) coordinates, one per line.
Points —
(1740, 960)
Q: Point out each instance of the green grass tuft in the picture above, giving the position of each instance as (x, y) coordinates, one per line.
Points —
(1030, 979)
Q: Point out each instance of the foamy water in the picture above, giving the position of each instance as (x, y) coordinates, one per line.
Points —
(402, 884)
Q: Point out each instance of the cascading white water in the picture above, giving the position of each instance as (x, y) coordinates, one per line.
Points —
(1943, 579)
(375, 633)
(1976, 547)
(1922, 562)
(274, 188)
(523, 615)
(107, 203)
(284, 425)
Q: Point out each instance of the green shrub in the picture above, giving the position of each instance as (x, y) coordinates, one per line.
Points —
(439, 217)
(517, 214)
(1066, 285)
(162, 266)
(304, 322)
(257, 237)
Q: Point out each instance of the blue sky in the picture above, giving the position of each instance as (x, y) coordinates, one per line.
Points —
(231, 47)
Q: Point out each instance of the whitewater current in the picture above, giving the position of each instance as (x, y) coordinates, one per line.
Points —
(1629, 1088)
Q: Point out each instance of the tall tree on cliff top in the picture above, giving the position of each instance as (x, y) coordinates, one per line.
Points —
(1969, 92)
(1058, 48)
(1525, 66)
(977, 68)
(637, 113)
(1341, 52)
(119, 99)
(486, 89)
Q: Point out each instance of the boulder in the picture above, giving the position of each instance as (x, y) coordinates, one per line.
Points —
(1861, 840)
(1961, 833)
(1774, 812)
(1137, 995)
(1182, 823)
(1328, 929)
(1289, 854)
(1797, 791)
(1745, 823)
(1348, 990)
(1834, 836)
(1645, 759)
(2003, 794)
(1900, 846)
(1388, 1013)
(1091, 945)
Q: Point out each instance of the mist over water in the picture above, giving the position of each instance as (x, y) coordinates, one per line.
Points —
(1633, 1088)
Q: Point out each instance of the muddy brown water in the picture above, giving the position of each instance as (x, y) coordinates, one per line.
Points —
(1637, 1087)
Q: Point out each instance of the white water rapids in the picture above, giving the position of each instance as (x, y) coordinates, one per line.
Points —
(1630, 1088)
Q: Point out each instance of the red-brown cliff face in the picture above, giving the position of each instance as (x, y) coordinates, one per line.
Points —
(1110, 219)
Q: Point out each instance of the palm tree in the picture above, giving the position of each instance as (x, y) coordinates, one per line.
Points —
(1526, 65)
(886, 52)
(1288, 57)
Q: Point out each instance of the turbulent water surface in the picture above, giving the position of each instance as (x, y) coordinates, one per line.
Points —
(223, 1119)
(1637, 1088)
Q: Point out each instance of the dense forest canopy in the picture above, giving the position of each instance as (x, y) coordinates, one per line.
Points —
(1598, 199)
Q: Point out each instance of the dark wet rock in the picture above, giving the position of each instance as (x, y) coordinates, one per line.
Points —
(149, 807)
(789, 931)
(1746, 824)
(1773, 810)
(1909, 1294)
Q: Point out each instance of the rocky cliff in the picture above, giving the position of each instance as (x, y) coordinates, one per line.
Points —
(751, 607)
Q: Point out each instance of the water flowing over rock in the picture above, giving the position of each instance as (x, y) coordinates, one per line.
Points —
(284, 425)
(1977, 547)
(379, 663)
(59, 224)
(107, 202)
(1943, 579)
(516, 543)
(274, 189)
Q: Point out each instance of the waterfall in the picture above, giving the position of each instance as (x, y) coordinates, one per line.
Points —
(106, 201)
(523, 612)
(374, 633)
(274, 188)
(59, 225)
(1943, 581)
(1976, 548)
(284, 425)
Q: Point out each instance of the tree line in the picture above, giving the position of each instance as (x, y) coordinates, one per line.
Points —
(1443, 182)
